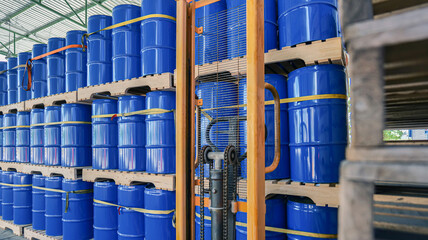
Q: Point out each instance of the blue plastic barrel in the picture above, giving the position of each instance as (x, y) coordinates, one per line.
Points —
(36, 136)
(126, 43)
(216, 96)
(22, 196)
(78, 219)
(132, 134)
(131, 223)
(283, 169)
(318, 128)
(207, 222)
(7, 194)
(237, 27)
(160, 137)
(38, 203)
(39, 72)
(53, 207)
(1, 196)
(1, 139)
(104, 135)
(156, 199)
(12, 80)
(56, 67)
(9, 137)
(75, 59)
(303, 215)
(211, 45)
(105, 216)
(158, 36)
(52, 136)
(76, 135)
(3, 84)
(99, 50)
(307, 20)
(23, 137)
(275, 217)
(23, 76)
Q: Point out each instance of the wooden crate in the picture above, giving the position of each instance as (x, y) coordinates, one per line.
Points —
(32, 234)
(12, 108)
(72, 173)
(16, 229)
(52, 100)
(161, 181)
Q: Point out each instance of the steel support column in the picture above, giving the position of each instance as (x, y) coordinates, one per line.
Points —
(256, 123)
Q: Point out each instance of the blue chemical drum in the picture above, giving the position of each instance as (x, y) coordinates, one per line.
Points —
(53, 207)
(39, 72)
(275, 217)
(23, 137)
(156, 199)
(38, 203)
(77, 220)
(160, 133)
(9, 137)
(158, 36)
(1, 196)
(132, 134)
(99, 50)
(3, 84)
(207, 222)
(36, 136)
(217, 96)
(211, 45)
(23, 76)
(75, 59)
(56, 67)
(318, 128)
(7, 194)
(12, 81)
(104, 135)
(1, 139)
(307, 20)
(126, 43)
(131, 223)
(303, 215)
(22, 195)
(105, 216)
(237, 27)
(283, 169)
(52, 136)
(76, 135)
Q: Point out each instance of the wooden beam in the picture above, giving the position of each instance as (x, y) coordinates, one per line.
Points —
(203, 3)
(256, 122)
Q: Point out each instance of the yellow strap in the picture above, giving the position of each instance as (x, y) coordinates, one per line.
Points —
(16, 185)
(141, 210)
(50, 189)
(59, 123)
(21, 126)
(289, 100)
(286, 231)
(83, 191)
(152, 111)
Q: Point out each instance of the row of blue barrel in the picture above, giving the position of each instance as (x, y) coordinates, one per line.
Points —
(81, 218)
(62, 135)
(134, 50)
(313, 133)
(293, 213)
(287, 23)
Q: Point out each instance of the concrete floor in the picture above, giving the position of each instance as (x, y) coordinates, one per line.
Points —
(8, 235)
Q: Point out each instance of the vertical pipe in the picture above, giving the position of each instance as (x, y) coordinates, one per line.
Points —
(14, 41)
(185, 215)
(255, 112)
(86, 13)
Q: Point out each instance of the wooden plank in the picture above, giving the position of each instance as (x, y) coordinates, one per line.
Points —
(12, 108)
(135, 85)
(395, 153)
(52, 100)
(72, 173)
(161, 181)
(31, 234)
(16, 229)
(354, 11)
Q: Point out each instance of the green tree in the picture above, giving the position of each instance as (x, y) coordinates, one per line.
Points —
(389, 135)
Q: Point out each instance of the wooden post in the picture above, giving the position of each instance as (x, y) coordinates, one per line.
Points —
(185, 210)
(256, 122)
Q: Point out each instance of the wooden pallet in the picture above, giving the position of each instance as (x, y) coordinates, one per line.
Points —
(328, 51)
(72, 173)
(139, 85)
(12, 108)
(31, 234)
(161, 181)
(16, 229)
(52, 100)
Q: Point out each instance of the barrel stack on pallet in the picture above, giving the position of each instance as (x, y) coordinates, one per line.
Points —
(387, 46)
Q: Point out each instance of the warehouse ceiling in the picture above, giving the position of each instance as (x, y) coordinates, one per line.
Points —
(27, 22)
